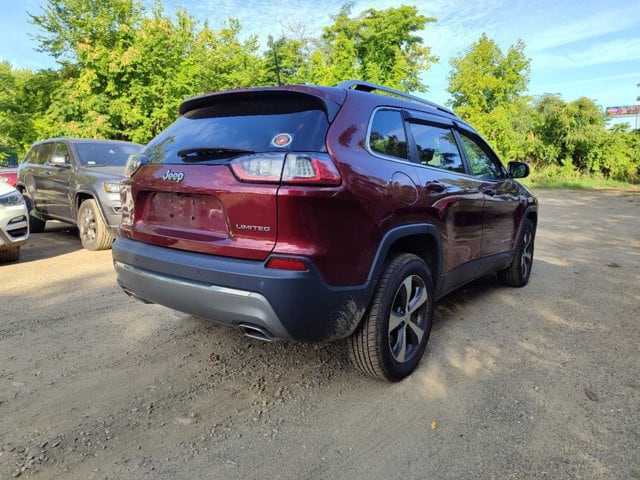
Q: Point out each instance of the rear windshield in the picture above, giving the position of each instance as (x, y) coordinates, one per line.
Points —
(105, 154)
(265, 123)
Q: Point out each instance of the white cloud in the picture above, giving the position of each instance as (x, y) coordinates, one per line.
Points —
(599, 53)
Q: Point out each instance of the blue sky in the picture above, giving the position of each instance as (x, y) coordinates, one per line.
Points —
(589, 48)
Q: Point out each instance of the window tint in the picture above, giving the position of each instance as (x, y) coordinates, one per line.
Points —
(437, 147)
(483, 163)
(268, 122)
(44, 153)
(387, 134)
(62, 151)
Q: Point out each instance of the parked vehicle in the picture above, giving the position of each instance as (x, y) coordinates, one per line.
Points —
(9, 169)
(14, 226)
(76, 181)
(312, 214)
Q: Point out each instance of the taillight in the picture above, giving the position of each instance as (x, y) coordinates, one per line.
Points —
(292, 168)
(134, 162)
(310, 169)
(263, 168)
(286, 263)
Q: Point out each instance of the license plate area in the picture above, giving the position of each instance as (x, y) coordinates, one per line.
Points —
(186, 211)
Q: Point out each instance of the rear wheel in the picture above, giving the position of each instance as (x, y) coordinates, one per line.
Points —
(93, 230)
(10, 254)
(392, 337)
(518, 272)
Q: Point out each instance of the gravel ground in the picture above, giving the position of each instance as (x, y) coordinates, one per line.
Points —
(539, 382)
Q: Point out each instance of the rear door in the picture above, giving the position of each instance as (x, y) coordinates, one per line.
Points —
(451, 199)
(36, 176)
(59, 199)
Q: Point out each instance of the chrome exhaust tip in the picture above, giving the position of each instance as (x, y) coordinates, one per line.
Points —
(254, 331)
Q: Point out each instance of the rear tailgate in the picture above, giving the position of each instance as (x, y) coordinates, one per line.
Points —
(186, 195)
(207, 211)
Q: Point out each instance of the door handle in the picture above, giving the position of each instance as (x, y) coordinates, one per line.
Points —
(435, 187)
(489, 191)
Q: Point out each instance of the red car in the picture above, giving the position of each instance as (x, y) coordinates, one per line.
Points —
(313, 213)
(9, 169)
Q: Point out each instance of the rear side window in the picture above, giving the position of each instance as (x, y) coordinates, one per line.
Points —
(387, 134)
(237, 124)
(44, 153)
(62, 151)
(437, 147)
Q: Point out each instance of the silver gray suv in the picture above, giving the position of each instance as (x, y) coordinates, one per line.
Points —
(76, 181)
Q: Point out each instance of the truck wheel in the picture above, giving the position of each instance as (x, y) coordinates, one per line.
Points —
(93, 230)
(391, 339)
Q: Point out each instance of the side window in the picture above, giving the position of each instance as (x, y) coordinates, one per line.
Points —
(62, 151)
(437, 147)
(387, 134)
(32, 155)
(44, 153)
(483, 163)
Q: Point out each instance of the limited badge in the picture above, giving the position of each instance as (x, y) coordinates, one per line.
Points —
(281, 140)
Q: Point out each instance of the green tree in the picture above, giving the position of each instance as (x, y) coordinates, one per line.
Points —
(573, 137)
(487, 89)
(24, 95)
(125, 72)
(380, 46)
(66, 25)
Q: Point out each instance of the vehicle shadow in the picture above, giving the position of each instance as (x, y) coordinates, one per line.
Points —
(57, 239)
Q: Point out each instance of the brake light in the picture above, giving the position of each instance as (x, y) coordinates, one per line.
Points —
(285, 263)
(310, 169)
(292, 168)
(258, 168)
(134, 162)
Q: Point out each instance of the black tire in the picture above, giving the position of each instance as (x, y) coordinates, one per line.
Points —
(404, 294)
(10, 254)
(518, 272)
(92, 228)
(36, 223)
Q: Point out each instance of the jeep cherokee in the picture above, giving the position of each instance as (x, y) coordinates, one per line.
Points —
(313, 213)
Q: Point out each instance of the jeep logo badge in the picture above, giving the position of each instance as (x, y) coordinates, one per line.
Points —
(175, 176)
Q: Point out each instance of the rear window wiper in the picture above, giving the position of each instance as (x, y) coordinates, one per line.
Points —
(202, 154)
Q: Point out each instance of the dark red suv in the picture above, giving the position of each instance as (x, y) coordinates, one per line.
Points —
(313, 213)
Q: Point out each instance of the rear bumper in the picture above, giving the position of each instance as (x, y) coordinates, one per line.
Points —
(297, 306)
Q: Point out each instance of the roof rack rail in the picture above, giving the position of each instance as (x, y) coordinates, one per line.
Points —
(370, 87)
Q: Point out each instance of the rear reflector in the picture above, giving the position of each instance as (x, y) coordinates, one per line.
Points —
(284, 263)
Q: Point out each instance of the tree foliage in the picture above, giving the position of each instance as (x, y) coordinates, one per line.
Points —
(124, 69)
(574, 136)
(487, 88)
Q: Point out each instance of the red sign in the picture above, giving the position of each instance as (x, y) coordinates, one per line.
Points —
(624, 111)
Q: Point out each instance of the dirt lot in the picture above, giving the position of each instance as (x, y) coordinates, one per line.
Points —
(539, 382)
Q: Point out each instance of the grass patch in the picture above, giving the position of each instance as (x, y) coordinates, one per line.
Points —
(563, 177)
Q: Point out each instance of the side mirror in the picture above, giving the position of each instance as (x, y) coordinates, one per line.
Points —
(518, 169)
(59, 161)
